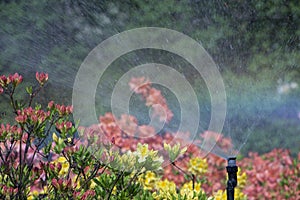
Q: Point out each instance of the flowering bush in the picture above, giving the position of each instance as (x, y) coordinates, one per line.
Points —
(42, 157)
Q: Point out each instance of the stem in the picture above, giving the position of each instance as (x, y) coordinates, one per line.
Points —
(41, 142)
(93, 174)
(34, 95)
(11, 96)
(12, 145)
(1, 155)
(132, 179)
(192, 176)
(27, 144)
(6, 162)
(21, 168)
(112, 188)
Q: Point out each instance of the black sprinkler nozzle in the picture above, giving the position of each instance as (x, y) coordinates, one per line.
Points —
(232, 170)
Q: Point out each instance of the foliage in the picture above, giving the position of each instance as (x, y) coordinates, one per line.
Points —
(107, 161)
(32, 166)
(190, 161)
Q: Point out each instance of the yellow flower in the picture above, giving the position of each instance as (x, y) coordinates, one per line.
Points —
(76, 181)
(147, 158)
(93, 184)
(167, 147)
(114, 190)
(165, 190)
(188, 192)
(54, 138)
(242, 178)
(197, 166)
(150, 175)
(239, 195)
(57, 140)
(222, 195)
(142, 152)
(35, 193)
(148, 180)
(64, 165)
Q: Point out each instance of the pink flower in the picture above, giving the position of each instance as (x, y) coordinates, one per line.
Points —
(61, 109)
(42, 77)
(1, 90)
(58, 167)
(69, 109)
(21, 119)
(128, 124)
(4, 81)
(108, 125)
(16, 79)
(88, 193)
(76, 194)
(153, 98)
(60, 126)
(55, 183)
(64, 126)
(140, 85)
(68, 125)
(34, 118)
(52, 166)
(50, 104)
(146, 131)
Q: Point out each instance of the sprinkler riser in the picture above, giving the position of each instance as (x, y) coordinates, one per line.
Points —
(232, 170)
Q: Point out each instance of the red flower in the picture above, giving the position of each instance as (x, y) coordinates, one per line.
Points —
(42, 77)
(1, 90)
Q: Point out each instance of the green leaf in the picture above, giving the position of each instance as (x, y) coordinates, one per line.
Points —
(29, 90)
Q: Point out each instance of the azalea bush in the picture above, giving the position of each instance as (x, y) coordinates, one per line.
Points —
(37, 162)
(45, 155)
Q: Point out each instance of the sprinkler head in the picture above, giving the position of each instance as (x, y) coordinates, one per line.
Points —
(232, 161)
(232, 170)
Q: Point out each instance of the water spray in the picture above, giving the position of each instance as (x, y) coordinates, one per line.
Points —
(232, 170)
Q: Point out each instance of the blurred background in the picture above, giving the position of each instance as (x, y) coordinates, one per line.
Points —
(255, 45)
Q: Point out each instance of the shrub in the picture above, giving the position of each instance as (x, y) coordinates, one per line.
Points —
(43, 157)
